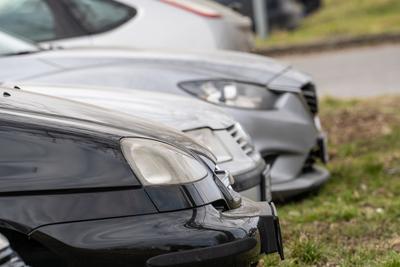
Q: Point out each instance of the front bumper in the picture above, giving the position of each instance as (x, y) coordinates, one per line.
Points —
(236, 253)
(252, 184)
(219, 255)
(310, 178)
(193, 237)
(305, 182)
(287, 134)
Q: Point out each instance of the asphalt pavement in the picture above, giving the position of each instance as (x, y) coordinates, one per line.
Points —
(355, 72)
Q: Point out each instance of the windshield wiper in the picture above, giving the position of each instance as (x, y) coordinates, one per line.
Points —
(20, 53)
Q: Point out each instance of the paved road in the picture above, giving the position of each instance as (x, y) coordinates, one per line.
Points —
(360, 72)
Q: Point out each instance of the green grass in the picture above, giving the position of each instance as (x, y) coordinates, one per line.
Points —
(354, 220)
(342, 18)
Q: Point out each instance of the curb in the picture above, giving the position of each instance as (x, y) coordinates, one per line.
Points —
(340, 43)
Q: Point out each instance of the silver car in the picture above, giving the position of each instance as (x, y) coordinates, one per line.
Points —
(276, 104)
(128, 23)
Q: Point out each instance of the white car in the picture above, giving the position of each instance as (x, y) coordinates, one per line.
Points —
(177, 24)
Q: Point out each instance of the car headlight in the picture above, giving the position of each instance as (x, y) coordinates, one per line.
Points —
(3, 243)
(231, 93)
(207, 138)
(157, 163)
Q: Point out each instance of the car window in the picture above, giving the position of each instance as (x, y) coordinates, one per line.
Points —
(31, 19)
(99, 15)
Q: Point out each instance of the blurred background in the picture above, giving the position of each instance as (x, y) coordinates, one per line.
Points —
(351, 49)
(367, 26)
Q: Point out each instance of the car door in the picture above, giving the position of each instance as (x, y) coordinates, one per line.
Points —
(42, 21)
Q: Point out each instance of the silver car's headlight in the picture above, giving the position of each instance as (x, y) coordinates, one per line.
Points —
(157, 163)
(207, 138)
(231, 93)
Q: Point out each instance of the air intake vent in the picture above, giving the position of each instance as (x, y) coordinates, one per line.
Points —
(241, 138)
(310, 95)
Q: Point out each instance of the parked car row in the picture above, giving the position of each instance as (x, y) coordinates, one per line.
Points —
(115, 156)
(272, 103)
(84, 186)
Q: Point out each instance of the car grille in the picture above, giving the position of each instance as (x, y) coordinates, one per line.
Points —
(241, 138)
(312, 158)
(309, 163)
(310, 95)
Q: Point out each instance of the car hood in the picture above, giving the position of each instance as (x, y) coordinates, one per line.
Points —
(69, 116)
(218, 64)
(178, 112)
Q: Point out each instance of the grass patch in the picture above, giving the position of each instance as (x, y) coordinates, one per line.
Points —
(307, 252)
(392, 260)
(354, 219)
(342, 18)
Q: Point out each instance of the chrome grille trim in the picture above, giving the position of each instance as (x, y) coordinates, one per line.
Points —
(310, 96)
(241, 139)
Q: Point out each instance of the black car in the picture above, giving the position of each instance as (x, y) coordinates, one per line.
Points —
(83, 186)
(282, 14)
(310, 6)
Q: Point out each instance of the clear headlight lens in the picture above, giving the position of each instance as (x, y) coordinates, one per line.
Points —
(3, 243)
(157, 163)
(231, 93)
(208, 139)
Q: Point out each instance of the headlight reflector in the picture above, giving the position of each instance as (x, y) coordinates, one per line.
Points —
(208, 139)
(3, 243)
(231, 93)
(158, 163)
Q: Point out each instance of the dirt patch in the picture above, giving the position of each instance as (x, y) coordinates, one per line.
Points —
(353, 220)
(362, 121)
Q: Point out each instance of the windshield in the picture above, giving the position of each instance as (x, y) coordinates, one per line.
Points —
(11, 45)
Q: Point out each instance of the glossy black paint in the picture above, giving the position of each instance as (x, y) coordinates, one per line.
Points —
(42, 159)
(178, 197)
(45, 173)
(27, 212)
(132, 241)
(269, 228)
(227, 254)
(69, 198)
(68, 117)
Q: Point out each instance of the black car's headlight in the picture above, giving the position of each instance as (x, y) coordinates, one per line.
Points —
(231, 93)
(157, 163)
